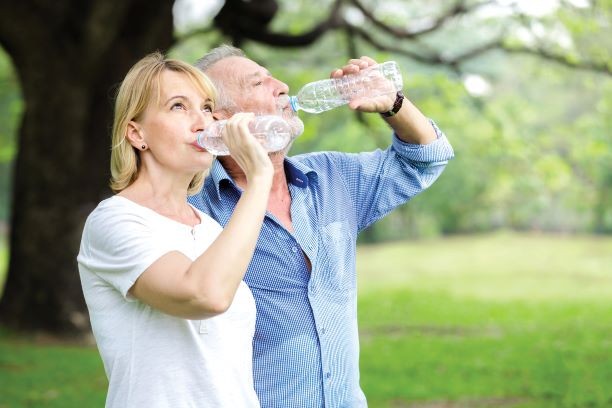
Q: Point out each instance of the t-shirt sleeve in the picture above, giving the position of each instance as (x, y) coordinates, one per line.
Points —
(118, 245)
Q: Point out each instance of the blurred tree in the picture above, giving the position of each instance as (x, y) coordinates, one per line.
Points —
(69, 55)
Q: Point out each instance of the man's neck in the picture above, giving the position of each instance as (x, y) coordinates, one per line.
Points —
(279, 181)
(279, 203)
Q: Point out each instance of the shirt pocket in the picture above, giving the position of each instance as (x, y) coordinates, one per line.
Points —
(337, 260)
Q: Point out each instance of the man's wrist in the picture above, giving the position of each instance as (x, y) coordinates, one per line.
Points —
(397, 105)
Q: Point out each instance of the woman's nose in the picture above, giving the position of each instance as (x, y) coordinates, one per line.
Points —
(202, 120)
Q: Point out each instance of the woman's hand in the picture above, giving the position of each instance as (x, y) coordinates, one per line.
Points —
(246, 150)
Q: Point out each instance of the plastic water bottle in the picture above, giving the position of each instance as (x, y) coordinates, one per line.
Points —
(320, 96)
(272, 132)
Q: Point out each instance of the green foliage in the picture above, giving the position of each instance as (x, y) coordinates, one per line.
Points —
(11, 106)
(3, 261)
(590, 30)
(534, 153)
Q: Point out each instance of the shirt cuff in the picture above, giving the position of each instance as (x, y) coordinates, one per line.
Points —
(437, 151)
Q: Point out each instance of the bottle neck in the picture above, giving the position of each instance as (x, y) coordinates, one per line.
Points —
(295, 106)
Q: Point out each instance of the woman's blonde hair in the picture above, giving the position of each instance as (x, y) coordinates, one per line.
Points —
(139, 89)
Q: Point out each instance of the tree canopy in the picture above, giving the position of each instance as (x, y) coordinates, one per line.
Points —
(522, 89)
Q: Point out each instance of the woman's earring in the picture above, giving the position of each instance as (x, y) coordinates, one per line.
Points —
(144, 147)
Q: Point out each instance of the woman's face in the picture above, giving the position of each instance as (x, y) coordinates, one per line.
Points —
(169, 127)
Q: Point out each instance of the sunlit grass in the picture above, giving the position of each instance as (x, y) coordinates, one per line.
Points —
(419, 347)
(35, 373)
(498, 267)
(502, 320)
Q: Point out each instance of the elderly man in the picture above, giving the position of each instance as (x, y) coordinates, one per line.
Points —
(302, 275)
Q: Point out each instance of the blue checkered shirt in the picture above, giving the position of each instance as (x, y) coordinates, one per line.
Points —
(306, 345)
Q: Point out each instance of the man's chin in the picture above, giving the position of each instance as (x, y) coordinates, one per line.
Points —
(281, 153)
(297, 127)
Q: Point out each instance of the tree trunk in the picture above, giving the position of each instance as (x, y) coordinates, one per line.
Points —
(70, 55)
(602, 206)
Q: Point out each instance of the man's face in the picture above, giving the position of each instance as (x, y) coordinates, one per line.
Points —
(249, 85)
(253, 89)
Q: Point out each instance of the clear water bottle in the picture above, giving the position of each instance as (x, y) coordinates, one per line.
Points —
(320, 96)
(272, 132)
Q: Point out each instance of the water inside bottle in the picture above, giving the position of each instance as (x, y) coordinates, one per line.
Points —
(315, 106)
(323, 95)
(216, 146)
(328, 104)
(271, 131)
(274, 138)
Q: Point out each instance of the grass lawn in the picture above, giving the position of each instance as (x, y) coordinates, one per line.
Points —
(500, 320)
(39, 373)
(492, 321)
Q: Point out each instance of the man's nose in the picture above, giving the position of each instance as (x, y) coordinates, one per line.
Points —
(280, 88)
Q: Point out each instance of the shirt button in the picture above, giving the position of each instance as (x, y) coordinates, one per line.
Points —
(328, 375)
(323, 330)
(294, 249)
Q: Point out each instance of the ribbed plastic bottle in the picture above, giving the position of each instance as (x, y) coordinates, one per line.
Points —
(321, 96)
(272, 132)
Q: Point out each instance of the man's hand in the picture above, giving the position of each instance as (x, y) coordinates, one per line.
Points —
(381, 103)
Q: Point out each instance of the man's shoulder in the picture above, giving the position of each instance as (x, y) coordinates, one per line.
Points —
(308, 163)
(334, 160)
(315, 158)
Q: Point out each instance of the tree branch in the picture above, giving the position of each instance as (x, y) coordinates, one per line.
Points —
(426, 59)
(254, 29)
(459, 9)
(603, 67)
(245, 27)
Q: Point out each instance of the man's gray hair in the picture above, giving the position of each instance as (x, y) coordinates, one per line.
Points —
(217, 54)
(224, 101)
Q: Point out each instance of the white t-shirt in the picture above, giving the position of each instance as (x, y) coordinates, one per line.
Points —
(153, 359)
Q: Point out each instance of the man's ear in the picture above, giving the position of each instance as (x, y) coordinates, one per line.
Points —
(134, 134)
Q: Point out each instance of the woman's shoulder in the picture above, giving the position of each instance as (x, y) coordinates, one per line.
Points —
(116, 213)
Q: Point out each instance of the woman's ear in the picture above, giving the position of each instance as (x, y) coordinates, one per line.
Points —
(134, 135)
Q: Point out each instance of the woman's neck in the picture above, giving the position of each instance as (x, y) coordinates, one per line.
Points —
(165, 197)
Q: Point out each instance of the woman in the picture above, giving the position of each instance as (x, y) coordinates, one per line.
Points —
(172, 319)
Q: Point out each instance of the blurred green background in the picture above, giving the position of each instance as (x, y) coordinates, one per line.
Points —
(493, 288)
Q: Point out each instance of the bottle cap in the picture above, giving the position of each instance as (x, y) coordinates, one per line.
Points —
(294, 103)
